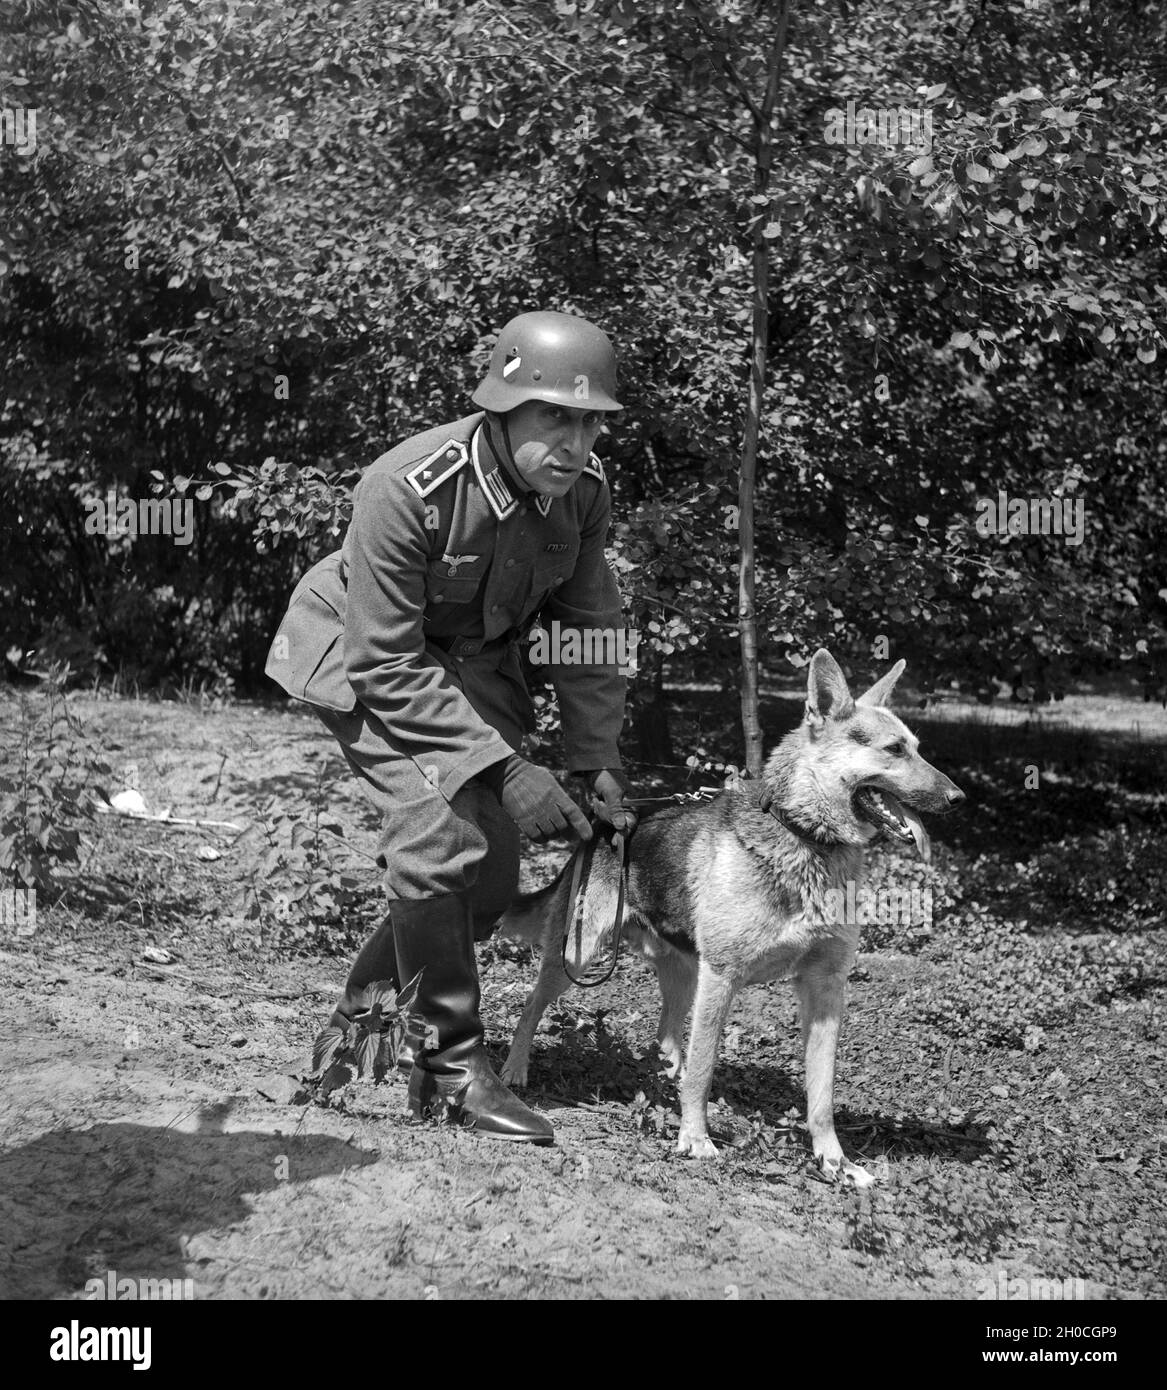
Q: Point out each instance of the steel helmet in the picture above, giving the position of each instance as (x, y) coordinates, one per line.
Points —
(550, 357)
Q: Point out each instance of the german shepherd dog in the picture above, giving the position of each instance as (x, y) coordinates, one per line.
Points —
(737, 891)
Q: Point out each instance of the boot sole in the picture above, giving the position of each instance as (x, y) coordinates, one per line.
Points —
(419, 1109)
(471, 1128)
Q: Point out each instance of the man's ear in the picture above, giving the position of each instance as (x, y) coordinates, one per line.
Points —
(879, 692)
(827, 696)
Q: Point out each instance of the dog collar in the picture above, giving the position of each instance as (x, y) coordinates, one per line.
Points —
(784, 819)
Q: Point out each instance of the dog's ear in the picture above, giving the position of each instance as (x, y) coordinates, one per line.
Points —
(827, 696)
(879, 692)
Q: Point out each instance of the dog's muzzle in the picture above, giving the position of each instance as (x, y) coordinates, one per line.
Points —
(887, 813)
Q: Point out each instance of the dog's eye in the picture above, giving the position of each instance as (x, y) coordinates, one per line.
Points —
(897, 750)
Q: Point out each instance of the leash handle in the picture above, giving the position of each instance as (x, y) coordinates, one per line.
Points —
(579, 882)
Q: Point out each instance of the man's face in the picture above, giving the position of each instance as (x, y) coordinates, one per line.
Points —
(551, 444)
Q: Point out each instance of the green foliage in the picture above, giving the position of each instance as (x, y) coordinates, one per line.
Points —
(1005, 987)
(48, 788)
(371, 1040)
(300, 886)
(975, 1210)
(278, 498)
(259, 244)
(649, 1117)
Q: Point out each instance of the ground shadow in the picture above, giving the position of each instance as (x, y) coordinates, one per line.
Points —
(120, 1197)
(577, 1072)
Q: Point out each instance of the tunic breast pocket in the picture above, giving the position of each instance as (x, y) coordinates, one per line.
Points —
(548, 579)
(448, 586)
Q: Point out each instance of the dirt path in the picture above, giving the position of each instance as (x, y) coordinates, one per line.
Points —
(164, 1160)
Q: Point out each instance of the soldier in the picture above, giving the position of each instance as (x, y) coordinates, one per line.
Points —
(406, 642)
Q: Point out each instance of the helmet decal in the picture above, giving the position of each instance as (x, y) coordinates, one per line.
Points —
(513, 362)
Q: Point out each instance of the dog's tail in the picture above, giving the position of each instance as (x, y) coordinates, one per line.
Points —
(541, 918)
(527, 917)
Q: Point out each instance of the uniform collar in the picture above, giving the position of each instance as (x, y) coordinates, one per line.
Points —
(494, 482)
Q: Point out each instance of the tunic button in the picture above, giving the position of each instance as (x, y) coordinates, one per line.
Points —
(494, 607)
(510, 564)
(439, 598)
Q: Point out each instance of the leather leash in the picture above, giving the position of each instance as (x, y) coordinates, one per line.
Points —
(579, 883)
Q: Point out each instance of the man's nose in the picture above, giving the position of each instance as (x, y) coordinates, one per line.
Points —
(573, 441)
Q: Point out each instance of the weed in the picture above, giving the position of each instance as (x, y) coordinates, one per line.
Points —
(300, 884)
(650, 1118)
(371, 1040)
(49, 790)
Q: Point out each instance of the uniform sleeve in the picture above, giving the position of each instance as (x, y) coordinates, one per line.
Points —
(385, 659)
(591, 694)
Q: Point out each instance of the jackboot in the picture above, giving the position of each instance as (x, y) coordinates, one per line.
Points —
(377, 961)
(451, 1072)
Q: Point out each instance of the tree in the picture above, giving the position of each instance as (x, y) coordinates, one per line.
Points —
(279, 238)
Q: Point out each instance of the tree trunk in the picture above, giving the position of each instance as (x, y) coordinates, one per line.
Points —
(747, 613)
(650, 720)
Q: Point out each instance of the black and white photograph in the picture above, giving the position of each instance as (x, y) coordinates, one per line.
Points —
(583, 718)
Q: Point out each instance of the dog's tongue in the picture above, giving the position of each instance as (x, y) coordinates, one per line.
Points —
(915, 825)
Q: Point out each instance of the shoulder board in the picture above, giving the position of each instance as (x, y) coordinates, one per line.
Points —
(594, 467)
(431, 472)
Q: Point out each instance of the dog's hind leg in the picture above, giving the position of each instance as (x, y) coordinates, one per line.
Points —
(715, 993)
(597, 918)
(552, 982)
(820, 986)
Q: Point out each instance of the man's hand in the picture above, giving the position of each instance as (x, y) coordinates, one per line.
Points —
(534, 800)
(609, 787)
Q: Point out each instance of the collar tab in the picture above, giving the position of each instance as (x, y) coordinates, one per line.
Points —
(493, 482)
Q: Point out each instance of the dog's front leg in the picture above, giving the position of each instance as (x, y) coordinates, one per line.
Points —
(715, 993)
(821, 998)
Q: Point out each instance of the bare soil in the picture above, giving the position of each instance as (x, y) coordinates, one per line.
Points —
(154, 1123)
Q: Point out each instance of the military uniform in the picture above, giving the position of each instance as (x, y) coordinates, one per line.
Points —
(406, 643)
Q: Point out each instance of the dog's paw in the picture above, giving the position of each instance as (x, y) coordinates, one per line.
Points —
(513, 1074)
(844, 1171)
(674, 1067)
(696, 1145)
